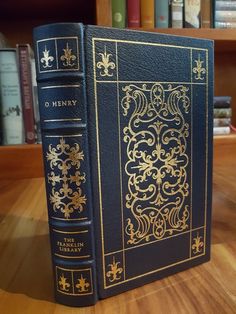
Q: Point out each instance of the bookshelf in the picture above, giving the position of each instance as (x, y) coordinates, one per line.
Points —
(24, 161)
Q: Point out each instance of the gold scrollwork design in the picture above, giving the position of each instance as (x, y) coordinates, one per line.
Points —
(66, 158)
(156, 146)
(105, 64)
(199, 70)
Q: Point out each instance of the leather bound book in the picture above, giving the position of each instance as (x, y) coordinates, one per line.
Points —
(127, 128)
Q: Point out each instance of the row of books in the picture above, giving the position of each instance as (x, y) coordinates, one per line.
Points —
(161, 13)
(225, 14)
(222, 115)
(18, 96)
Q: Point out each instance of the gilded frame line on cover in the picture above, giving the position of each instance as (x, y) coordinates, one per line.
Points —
(117, 82)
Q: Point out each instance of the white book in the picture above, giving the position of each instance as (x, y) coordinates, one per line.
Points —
(221, 130)
(10, 99)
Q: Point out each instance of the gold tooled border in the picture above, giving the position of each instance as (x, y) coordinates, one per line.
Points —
(94, 39)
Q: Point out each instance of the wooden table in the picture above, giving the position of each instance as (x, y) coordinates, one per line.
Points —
(25, 265)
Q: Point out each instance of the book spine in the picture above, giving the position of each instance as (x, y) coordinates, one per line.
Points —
(133, 13)
(24, 60)
(225, 5)
(222, 113)
(10, 99)
(60, 68)
(225, 16)
(162, 13)
(177, 14)
(225, 24)
(221, 130)
(35, 102)
(147, 13)
(221, 122)
(222, 101)
(119, 13)
(192, 13)
(206, 13)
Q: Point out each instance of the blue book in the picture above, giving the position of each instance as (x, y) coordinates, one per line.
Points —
(126, 119)
(10, 99)
(162, 13)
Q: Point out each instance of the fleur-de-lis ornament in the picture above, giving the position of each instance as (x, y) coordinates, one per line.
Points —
(199, 70)
(82, 286)
(198, 244)
(47, 59)
(64, 285)
(115, 271)
(105, 64)
(68, 57)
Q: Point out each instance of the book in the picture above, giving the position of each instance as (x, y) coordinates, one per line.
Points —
(225, 5)
(24, 53)
(192, 13)
(133, 13)
(118, 13)
(206, 14)
(147, 13)
(222, 112)
(127, 149)
(162, 13)
(221, 130)
(10, 98)
(177, 13)
(35, 102)
(225, 24)
(222, 101)
(225, 16)
(221, 122)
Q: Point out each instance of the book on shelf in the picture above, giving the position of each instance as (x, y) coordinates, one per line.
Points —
(133, 13)
(221, 122)
(192, 13)
(25, 53)
(35, 102)
(118, 13)
(222, 112)
(10, 98)
(221, 130)
(177, 17)
(221, 5)
(147, 13)
(162, 13)
(128, 162)
(225, 24)
(222, 101)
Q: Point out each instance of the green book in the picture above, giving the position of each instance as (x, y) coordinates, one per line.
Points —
(119, 13)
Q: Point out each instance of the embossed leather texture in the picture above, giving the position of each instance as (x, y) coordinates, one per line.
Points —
(126, 120)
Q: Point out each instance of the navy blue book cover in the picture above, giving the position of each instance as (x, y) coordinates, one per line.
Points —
(127, 121)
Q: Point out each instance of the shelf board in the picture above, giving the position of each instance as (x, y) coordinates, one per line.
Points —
(225, 39)
(25, 161)
(222, 140)
(21, 161)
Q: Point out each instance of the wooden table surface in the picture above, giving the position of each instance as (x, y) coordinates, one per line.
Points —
(26, 284)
